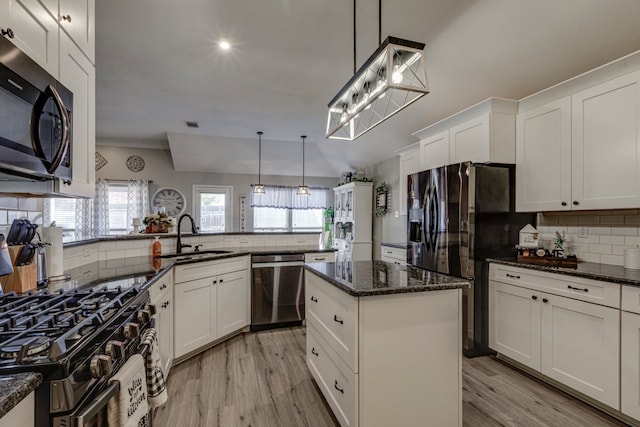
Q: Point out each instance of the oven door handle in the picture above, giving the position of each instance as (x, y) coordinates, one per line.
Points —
(96, 405)
(277, 264)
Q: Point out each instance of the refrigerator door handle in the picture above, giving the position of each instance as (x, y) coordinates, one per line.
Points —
(426, 228)
(436, 219)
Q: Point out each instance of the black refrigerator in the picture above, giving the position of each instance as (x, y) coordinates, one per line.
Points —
(458, 216)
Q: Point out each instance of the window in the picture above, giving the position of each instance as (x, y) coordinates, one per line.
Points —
(212, 207)
(118, 196)
(63, 212)
(276, 219)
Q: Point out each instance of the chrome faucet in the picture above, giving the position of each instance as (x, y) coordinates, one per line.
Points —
(179, 244)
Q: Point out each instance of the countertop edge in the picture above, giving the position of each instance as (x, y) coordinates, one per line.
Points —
(19, 387)
(567, 272)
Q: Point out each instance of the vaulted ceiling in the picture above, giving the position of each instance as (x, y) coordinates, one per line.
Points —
(158, 64)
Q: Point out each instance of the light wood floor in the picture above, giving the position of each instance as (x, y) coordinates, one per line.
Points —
(261, 380)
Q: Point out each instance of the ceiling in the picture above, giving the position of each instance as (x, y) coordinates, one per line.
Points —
(158, 64)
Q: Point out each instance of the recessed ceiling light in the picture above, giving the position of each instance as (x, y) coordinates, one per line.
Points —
(224, 45)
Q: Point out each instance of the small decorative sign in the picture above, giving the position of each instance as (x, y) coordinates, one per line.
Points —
(529, 237)
(243, 204)
(100, 161)
(382, 194)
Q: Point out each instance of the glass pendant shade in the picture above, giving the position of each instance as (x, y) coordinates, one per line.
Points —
(303, 190)
(390, 80)
(258, 189)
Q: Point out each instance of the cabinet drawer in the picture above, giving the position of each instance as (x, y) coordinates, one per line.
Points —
(338, 383)
(631, 299)
(594, 291)
(320, 257)
(162, 284)
(395, 254)
(334, 314)
(184, 273)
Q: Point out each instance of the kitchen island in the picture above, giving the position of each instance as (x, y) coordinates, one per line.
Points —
(384, 343)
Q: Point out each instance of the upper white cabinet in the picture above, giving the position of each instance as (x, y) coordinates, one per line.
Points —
(482, 133)
(353, 220)
(581, 151)
(77, 19)
(78, 74)
(409, 164)
(30, 26)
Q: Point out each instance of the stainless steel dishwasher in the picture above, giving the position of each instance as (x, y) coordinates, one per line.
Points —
(277, 291)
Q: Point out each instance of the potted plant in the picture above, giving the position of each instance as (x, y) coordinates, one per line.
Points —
(157, 223)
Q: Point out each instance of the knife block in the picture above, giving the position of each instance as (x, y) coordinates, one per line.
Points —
(24, 278)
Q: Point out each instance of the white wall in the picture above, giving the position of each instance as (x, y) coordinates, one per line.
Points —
(159, 168)
(388, 228)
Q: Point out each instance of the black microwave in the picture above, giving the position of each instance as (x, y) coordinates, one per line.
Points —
(36, 113)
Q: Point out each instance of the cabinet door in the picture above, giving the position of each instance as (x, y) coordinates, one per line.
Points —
(581, 347)
(434, 151)
(409, 164)
(195, 315)
(471, 141)
(77, 18)
(514, 323)
(630, 374)
(35, 30)
(543, 158)
(233, 302)
(349, 203)
(165, 321)
(78, 74)
(606, 145)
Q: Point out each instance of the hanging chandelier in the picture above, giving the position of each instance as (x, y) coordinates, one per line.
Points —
(303, 190)
(391, 79)
(258, 189)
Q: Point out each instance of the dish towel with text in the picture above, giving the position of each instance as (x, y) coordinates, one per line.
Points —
(129, 407)
(156, 386)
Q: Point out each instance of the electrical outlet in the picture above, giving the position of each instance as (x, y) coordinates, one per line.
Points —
(583, 231)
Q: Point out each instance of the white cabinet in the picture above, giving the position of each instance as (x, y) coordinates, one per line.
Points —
(514, 323)
(543, 156)
(482, 133)
(35, 30)
(434, 151)
(360, 373)
(393, 255)
(353, 221)
(409, 164)
(580, 152)
(78, 74)
(23, 414)
(567, 339)
(630, 352)
(211, 301)
(77, 19)
(161, 294)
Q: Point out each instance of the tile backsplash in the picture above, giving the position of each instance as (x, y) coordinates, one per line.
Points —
(594, 236)
(13, 208)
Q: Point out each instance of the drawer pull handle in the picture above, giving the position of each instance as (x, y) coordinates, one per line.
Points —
(335, 318)
(341, 390)
(513, 276)
(163, 286)
(320, 259)
(533, 297)
(545, 300)
(314, 352)
(314, 299)
(577, 289)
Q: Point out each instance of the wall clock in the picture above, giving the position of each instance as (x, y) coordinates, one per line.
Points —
(171, 199)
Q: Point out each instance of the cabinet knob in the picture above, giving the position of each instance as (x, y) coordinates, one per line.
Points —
(66, 18)
(314, 299)
(533, 297)
(564, 203)
(314, 352)
(576, 203)
(545, 300)
(8, 33)
(335, 319)
(341, 390)
(221, 280)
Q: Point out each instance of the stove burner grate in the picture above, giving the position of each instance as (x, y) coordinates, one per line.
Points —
(24, 347)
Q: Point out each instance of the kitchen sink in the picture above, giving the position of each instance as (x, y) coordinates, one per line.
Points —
(185, 256)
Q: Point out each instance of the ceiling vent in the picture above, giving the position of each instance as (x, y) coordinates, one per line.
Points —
(193, 125)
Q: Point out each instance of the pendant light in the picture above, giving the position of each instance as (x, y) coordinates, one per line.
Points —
(303, 190)
(258, 189)
(390, 80)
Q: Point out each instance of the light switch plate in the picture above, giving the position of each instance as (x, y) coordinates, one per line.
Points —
(583, 231)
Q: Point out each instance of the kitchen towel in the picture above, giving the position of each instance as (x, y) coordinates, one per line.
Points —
(156, 386)
(129, 407)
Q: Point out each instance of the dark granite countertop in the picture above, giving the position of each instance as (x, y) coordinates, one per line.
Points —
(395, 245)
(366, 278)
(14, 388)
(587, 270)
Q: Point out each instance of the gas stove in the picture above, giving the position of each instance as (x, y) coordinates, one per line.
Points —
(76, 339)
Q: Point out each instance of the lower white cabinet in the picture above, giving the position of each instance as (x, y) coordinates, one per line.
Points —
(393, 255)
(630, 365)
(23, 414)
(574, 342)
(211, 304)
(162, 298)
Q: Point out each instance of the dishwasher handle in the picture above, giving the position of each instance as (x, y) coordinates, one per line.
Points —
(276, 264)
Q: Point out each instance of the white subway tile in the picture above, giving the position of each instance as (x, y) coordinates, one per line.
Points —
(618, 250)
(624, 231)
(589, 257)
(549, 219)
(131, 253)
(632, 219)
(599, 230)
(587, 220)
(568, 220)
(124, 244)
(612, 259)
(600, 249)
(632, 240)
(612, 240)
(612, 219)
